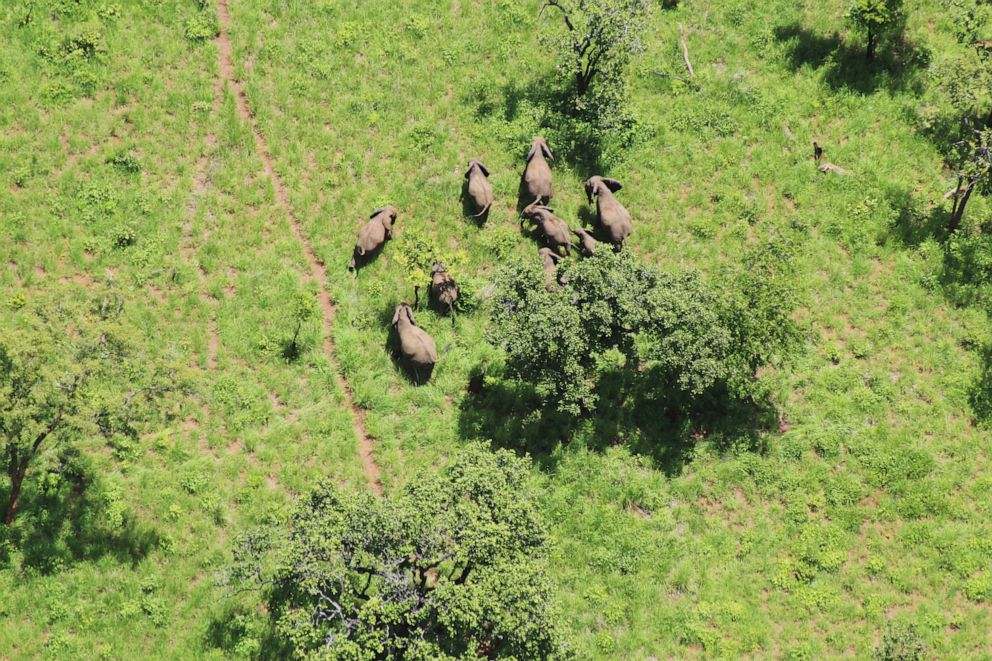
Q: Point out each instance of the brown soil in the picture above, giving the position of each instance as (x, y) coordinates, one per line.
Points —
(317, 269)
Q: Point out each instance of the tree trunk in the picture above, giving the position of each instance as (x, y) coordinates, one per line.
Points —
(872, 45)
(16, 480)
(959, 205)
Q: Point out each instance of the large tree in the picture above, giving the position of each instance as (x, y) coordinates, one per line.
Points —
(451, 566)
(66, 375)
(673, 328)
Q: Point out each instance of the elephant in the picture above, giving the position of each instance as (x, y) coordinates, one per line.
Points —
(444, 290)
(537, 175)
(551, 259)
(374, 233)
(479, 188)
(613, 217)
(554, 228)
(586, 241)
(417, 348)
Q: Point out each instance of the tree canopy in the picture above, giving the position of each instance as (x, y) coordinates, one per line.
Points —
(673, 328)
(450, 566)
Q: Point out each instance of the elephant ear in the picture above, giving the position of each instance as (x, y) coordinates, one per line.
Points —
(547, 152)
(409, 314)
(612, 184)
(533, 150)
(377, 212)
(396, 315)
(484, 169)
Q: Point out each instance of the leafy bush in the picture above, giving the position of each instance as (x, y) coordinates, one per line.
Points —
(593, 47)
(202, 26)
(680, 334)
(450, 565)
(900, 642)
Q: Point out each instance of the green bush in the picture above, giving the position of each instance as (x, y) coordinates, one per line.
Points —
(679, 335)
(900, 642)
(201, 26)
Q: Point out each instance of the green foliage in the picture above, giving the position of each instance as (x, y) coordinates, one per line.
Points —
(593, 45)
(876, 18)
(57, 386)
(201, 26)
(450, 565)
(900, 642)
(681, 335)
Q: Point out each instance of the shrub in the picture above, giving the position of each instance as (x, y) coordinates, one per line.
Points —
(900, 642)
(201, 26)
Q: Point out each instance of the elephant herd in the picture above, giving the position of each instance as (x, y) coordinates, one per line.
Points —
(416, 347)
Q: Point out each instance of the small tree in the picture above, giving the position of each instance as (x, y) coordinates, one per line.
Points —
(304, 308)
(974, 174)
(877, 18)
(593, 52)
(967, 80)
(683, 333)
(452, 566)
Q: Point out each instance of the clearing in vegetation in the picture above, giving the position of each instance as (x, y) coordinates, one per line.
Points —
(194, 173)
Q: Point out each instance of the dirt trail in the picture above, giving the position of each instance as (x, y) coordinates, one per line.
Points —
(317, 269)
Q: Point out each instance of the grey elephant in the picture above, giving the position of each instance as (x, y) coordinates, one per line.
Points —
(554, 228)
(537, 176)
(374, 233)
(444, 290)
(479, 188)
(550, 259)
(417, 348)
(614, 218)
(586, 241)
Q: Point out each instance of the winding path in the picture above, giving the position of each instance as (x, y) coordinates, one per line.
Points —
(317, 268)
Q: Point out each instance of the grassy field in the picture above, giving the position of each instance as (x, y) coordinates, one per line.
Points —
(127, 166)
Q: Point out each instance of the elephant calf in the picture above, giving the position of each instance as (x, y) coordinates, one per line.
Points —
(586, 241)
(479, 188)
(554, 228)
(614, 218)
(537, 175)
(374, 233)
(550, 259)
(444, 290)
(416, 347)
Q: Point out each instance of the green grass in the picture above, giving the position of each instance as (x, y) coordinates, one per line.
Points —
(868, 504)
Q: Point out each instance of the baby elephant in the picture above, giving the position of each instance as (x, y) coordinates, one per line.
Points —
(443, 287)
(586, 241)
(550, 258)
(554, 228)
(416, 347)
(479, 188)
(537, 175)
(374, 233)
(614, 218)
